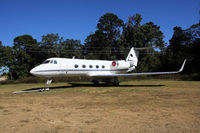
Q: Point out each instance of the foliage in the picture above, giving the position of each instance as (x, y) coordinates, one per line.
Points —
(21, 57)
(185, 44)
(70, 47)
(1, 54)
(26, 53)
(112, 40)
(105, 41)
(147, 35)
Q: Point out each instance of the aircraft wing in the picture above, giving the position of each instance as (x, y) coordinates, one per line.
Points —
(135, 74)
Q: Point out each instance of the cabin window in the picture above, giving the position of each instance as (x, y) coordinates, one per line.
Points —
(97, 66)
(76, 66)
(90, 66)
(46, 62)
(103, 66)
(83, 66)
(55, 62)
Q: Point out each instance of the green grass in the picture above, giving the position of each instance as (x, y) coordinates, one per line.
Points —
(153, 88)
(145, 92)
(145, 104)
(148, 86)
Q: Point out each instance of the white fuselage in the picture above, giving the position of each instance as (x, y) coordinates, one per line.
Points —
(56, 67)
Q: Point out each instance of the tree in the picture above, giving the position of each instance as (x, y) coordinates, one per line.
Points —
(147, 35)
(2, 58)
(176, 51)
(105, 41)
(137, 35)
(70, 47)
(21, 57)
(9, 62)
(185, 45)
(54, 46)
(29, 46)
(49, 46)
(194, 66)
(1, 54)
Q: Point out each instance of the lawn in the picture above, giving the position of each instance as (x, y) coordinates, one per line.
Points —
(145, 106)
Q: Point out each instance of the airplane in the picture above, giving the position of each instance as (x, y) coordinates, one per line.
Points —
(59, 67)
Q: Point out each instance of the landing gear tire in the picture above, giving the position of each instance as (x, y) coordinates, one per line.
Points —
(47, 86)
(44, 89)
(116, 82)
(96, 82)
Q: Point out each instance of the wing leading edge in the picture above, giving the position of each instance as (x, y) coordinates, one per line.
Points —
(135, 74)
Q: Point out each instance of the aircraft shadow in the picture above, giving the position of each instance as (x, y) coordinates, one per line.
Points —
(110, 85)
(90, 85)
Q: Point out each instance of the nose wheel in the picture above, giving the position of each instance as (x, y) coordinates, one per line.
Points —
(47, 85)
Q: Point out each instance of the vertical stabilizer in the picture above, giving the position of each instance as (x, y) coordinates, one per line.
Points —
(132, 58)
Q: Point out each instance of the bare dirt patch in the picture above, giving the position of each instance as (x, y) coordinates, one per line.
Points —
(139, 106)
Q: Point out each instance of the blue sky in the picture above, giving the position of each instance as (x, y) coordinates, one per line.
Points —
(78, 18)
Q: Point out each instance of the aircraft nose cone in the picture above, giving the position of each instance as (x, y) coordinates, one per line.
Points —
(32, 71)
(35, 71)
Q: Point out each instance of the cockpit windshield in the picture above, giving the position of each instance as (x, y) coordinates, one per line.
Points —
(50, 62)
(46, 62)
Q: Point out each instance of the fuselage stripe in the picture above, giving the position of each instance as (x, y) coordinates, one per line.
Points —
(79, 70)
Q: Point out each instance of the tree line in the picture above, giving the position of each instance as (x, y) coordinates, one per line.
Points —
(112, 40)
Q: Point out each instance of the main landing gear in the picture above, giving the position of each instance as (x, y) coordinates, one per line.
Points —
(95, 82)
(116, 82)
(47, 85)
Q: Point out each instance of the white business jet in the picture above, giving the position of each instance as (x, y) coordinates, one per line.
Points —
(57, 67)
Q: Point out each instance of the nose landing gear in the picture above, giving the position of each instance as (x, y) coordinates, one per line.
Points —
(47, 85)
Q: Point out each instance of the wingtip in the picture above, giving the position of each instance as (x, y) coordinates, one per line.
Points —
(182, 66)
